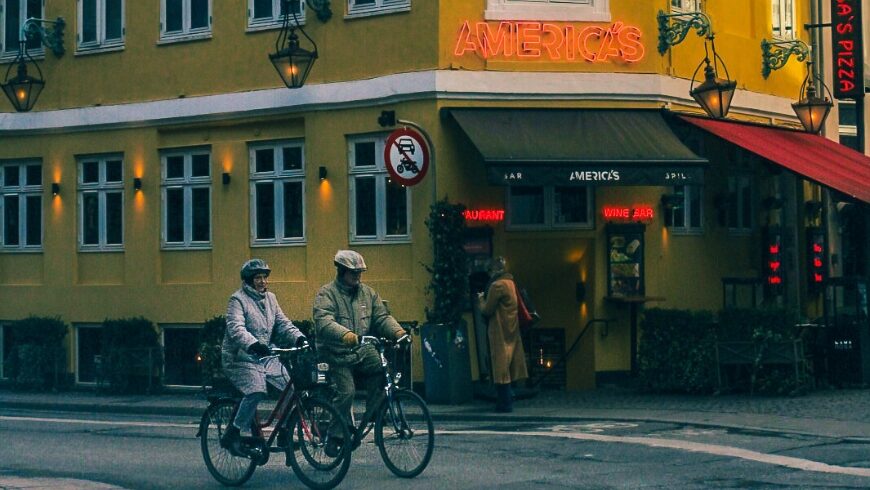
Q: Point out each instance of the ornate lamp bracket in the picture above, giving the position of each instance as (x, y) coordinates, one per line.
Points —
(673, 28)
(775, 54)
(51, 37)
(322, 8)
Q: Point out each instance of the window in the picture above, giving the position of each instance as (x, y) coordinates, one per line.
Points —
(848, 124)
(186, 181)
(549, 207)
(267, 14)
(13, 13)
(277, 193)
(21, 205)
(185, 19)
(686, 5)
(180, 348)
(683, 210)
(88, 353)
(783, 18)
(739, 202)
(558, 10)
(5, 349)
(380, 209)
(101, 203)
(101, 24)
(373, 7)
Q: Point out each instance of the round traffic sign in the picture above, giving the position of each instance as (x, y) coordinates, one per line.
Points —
(406, 156)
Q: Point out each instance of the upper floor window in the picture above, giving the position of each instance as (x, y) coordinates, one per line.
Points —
(549, 207)
(783, 18)
(380, 209)
(185, 19)
(739, 204)
(686, 5)
(21, 205)
(268, 14)
(558, 10)
(277, 193)
(101, 24)
(683, 211)
(361, 8)
(186, 182)
(13, 13)
(101, 202)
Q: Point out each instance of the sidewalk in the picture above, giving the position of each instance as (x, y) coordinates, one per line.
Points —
(842, 414)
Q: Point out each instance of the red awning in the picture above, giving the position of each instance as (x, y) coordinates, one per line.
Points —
(814, 157)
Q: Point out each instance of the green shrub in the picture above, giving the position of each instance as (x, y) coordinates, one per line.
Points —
(211, 335)
(127, 343)
(37, 358)
(676, 351)
(449, 269)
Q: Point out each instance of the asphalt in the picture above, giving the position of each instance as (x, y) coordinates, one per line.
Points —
(836, 413)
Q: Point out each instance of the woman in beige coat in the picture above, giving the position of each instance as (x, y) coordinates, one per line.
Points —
(505, 346)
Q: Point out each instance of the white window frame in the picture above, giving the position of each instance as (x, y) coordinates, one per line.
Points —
(379, 171)
(187, 183)
(555, 10)
(101, 44)
(186, 33)
(23, 192)
(276, 20)
(737, 184)
(550, 212)
(685, 5)
(101, 188)
(379, 7)
(689, 192)
(779, 15)
(278, 177)
(8, 53)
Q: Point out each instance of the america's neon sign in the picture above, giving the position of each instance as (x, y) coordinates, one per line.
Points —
(523, 40)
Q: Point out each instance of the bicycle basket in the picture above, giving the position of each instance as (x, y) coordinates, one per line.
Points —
(306, 372)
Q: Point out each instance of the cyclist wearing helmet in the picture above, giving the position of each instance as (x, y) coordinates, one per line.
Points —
(254, 320)
(344, 310)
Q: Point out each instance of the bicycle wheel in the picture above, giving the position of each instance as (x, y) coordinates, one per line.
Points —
(224, 467)
(313, 423)
(404, 434)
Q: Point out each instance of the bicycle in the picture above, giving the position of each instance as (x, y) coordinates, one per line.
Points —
(300, 424)
(404, 433)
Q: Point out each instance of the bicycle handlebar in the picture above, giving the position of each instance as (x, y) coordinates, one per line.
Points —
(371, 339)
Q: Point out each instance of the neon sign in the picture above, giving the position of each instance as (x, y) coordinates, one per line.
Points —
(816, 258)
(483, 214)
(847, 44)
(531, 40)
(641, 213)
(773, 261)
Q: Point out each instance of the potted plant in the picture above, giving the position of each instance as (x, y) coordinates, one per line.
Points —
(446, 363)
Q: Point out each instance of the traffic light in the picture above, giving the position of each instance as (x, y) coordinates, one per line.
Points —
(816, 263)
(773, 268)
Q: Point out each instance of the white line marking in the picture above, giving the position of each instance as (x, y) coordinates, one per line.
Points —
(96, 422)
(695, 447)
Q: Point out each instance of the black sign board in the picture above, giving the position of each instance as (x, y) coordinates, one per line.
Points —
(847, 44)
(594, 174)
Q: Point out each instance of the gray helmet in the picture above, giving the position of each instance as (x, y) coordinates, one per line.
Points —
(350, 260)
(253, 267)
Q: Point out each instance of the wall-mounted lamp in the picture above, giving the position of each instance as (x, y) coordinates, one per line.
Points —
(321, 172)
(811, 109)
(580, 291)
(714, 94)
(674, 27)
(387, 119)
(24, 88)
(55, 188)
(137, 184)
(775, 54)
(225, 178)
(292, 62)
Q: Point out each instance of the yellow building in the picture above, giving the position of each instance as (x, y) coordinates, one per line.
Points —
(177, 154)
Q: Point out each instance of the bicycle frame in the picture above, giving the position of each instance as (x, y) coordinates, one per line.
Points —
(390, 383)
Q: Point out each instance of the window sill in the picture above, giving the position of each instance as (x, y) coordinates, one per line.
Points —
(10, 250)
(172, 246)
(183, 38)
(686, 231)
(269, 26)
(99, 49)
(358, 14)
(93, 249)
(551, 12)
(37, 55)
(264, 244)
(381, 241)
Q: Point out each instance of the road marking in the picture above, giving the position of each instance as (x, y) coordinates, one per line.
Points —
(695, 447)
(96, 422)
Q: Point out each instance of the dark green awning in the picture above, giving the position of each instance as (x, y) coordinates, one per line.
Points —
(579, 147)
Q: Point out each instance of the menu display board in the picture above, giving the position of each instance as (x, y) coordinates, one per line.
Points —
(625, 268)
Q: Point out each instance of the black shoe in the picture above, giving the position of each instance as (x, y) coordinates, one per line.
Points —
(232, 442)
(333, 447)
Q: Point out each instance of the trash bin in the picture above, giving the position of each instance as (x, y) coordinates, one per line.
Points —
(446, 363)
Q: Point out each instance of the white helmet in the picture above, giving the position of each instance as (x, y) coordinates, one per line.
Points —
(350, 260)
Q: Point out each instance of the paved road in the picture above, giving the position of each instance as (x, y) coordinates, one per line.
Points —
(144, 452)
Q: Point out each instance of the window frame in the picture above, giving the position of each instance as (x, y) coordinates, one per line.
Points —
(101, 44)
(555, 10)
(277, 175)
(101, 188)
(379, 172)
(380, 7)
(782, 7)
(187, 33)
(737, 183)
(36, 50)
(23, 192)
(277, 20)
(187, 183)
(688, 192)
(686, 6)
(550, 211)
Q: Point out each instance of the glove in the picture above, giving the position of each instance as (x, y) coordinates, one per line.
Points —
(350, 339)
(302, 342)
(259, 349)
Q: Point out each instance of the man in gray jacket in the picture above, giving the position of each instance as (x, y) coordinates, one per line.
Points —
(344, 310)
(254, 320)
